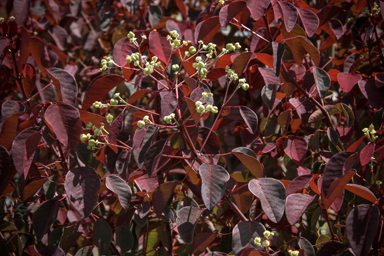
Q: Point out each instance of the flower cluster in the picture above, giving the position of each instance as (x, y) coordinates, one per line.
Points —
(148, 66)
(266, 242)
(93, 143)
(231, 74)
(201, 109)
(293, 253)
(105, 62)
(145, 120)
(370, 132)
(201, 67)
(168, 119)
(243, 84)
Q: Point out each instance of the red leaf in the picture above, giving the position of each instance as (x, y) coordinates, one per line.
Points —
(186, 222)
(296, 148)
(361, 191)
(336, 27)
(244, 233)
(269, 76)
(347, 81)
(95, 119)
(60, 36)
(372, 93)
(248, 158)
(241, 62)
(21, 9)
(206, 29)
(366, 154)
(296, 205)
(22, 153)
(228, 12)
(201, 242)
(182, 8)
(289, 13)
(99, 87)
(214, 178)
(161, 195)
(118, 186)
(24, 48)
(65, 83)
(42, 217)
(168, 103)
(272, 194)
(82, 186)
(40, 54)
(159, 46)
(299, 183)
(258, 8)
(310, 21)
(64, 121)
(336, 190)
(121, 49)
(379, 80)
(250, 118)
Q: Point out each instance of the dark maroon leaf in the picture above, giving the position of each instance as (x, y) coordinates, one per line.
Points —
(99, 87)
(10, 107)
(42, 216)
(303, 107)
(250, 118)
(296, 148)
(155, 14)
(21, 9)
(116, 126)
(336, 192)
(332, 248)
(299, 183)
(258, 8)
(278, 52)
(268, 94)
(366, 154)
(202, 241)
(82, 186)
(186, 222)
(40, 54)
(85, 251)
(348, 81)
(362, 224)
(51, 250)
(206, 29)
(334, 170)
(121, 49)
(64, 120)
(121, 188)
(351, 62)
(160, 46)
(306, 246)
(60, 36)
(333, 136)
(153, 155)
(296, 205)
(214, 178)
(248, 158)
(361, 191)
(65, 83)
(22, 153)
(337, 27)
(5, 168)
(161, 196)
(289, 13)
(142, 140)
(379, 80)
(168, 103)
(269, 76)
(213, 142)
(372, 93)
(241, 62)
(322, 81)
(310, 21)
(123, 239)
(102, 235)
(272, 194)
(228, 12)
(244, 234)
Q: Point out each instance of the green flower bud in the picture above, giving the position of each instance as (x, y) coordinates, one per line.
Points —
(257, 240)
(198, 103)
(187, 54)
(175, 67)
(230, 47)
(174, 34)
(131, 35)
(177, 42)
(266, 243)
(141, 124)
(97, 104)
(267, 234)
(214, 110)
(154, 58)
(83, 137)
(167, 119)
(113, 102)
(109, 118)
(128, 59)
(12, 18)
(172, 115)
(200, 109)
(192, 50)
(97, 132)
(198, 59)
(237, 45)
(209, 107)
(143, 37)
(89, 125)
(91, 142)
(245, 86)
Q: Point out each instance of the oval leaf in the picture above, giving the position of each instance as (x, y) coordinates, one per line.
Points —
(348, 81)
(296, 205)
(322, 81)
(42, 216)
(82, 186)
(102, 235)
(206, 29)
(244, 234)
(214, 178)
(250, 118)
(272, 194)
(310, 21)
(289, 13)
(296, 148)
(123, 239)
(362, 224)
(268, 94)
(248, 158)
(65, 83)
(120, 187)
(159, 46)
(258, 8)
(366, 154)
(186, 222)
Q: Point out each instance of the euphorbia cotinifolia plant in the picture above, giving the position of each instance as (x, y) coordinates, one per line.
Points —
(191, 127)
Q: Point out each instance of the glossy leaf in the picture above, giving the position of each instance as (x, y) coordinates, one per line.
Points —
(306, 246)
(32, 188)
(214, 178)
(258, 8)
(142, 140)
(99, 87)
(278, 53)
(152, 157)
(65, 83)
(82, 186)
(244, 234)
(310, 49)
(362, 223)
(250, 118)
(366, 154)
(248, 158)
(299, 183)
(65, 122)
(372, 93)
(21, 9)
(296, 148)
(228, 12)
(42, 217)
(121, 188)
(241, 62)
(322, 81)
(23, 150)
(289, 13)
(336, 190)
(332, 248)
(347, 81)
(268, 94)
(362, 192)
(206, 29)
(168, 103)
(269, 76)
(296, 205)
(272, 194)
(159, 46)
(102, 235)
(186, 222)
(294, 43)
(310, 21)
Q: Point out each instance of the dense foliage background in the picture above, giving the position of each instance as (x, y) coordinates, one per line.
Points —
(191, 127)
